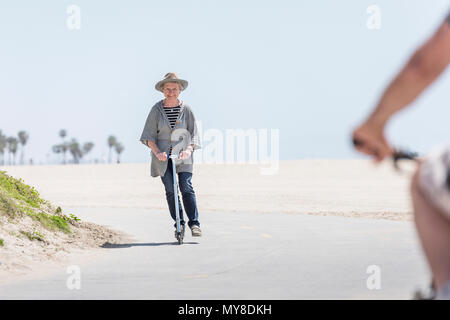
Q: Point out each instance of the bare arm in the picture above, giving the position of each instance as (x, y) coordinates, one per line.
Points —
(162, 156)
(424, 67)
(153, 147)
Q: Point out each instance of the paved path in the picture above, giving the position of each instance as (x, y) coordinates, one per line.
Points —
(240, 256)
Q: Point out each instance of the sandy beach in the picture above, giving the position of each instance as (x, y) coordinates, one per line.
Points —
(329, 218)
(353, 188)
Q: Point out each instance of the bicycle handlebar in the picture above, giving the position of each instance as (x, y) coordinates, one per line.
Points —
(397, 155)
(404, 155)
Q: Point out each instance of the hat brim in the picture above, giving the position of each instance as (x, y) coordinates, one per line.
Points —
(181, 82)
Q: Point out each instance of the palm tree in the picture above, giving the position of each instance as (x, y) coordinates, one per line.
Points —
(64, 146)
(57, 148)
(62, 133)
(3, 144)
(87, 147)
(74, 148)
(8, 143)
(111, 143)
(119, 148)
(13, 142)
(23, 138)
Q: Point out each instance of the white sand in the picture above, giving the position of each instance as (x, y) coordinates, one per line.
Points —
(355, 188)
(21, 257)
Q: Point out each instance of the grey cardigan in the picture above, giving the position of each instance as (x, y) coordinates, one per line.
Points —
(157, 129)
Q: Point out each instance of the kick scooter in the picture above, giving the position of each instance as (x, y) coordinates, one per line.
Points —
(180, 233)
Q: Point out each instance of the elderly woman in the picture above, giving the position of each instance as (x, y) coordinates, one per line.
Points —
(168, 121)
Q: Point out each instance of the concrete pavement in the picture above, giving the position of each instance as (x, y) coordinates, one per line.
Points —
(240, 256)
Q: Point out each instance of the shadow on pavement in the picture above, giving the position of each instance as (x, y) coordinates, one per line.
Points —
(108, 245)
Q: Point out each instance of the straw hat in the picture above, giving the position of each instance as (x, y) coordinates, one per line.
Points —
(171, 77)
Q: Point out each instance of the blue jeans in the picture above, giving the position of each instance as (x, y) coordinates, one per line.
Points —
(187, 191)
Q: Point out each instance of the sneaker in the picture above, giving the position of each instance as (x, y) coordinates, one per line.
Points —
(196, 232)
(182, 231)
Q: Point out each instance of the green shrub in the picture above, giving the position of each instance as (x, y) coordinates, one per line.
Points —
(17, 198)
(74, 217)
(17, 189)
(32, 236)
(7, 206)
(51, 222)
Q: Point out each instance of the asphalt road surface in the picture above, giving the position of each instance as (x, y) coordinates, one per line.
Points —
(239, 256)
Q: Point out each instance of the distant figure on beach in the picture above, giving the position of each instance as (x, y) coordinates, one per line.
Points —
(169, 120)
(431, 183)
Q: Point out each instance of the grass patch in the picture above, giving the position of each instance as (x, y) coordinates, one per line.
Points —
(8, 206)
(33, 236)
(18, 199)
(17, 189)
(74, 217)
(2, 243)
(51, 222)
(69, 218)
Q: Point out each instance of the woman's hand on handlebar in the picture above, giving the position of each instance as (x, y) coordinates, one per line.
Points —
(185, 154)
(162, 156)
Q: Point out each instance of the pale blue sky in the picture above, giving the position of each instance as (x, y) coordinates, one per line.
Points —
(309, 68)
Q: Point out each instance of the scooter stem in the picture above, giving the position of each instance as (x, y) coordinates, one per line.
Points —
(175, 191)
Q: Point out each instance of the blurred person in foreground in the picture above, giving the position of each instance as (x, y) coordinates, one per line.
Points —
(430, 187)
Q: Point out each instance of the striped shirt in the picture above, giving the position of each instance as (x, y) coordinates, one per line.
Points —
(172, 114)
